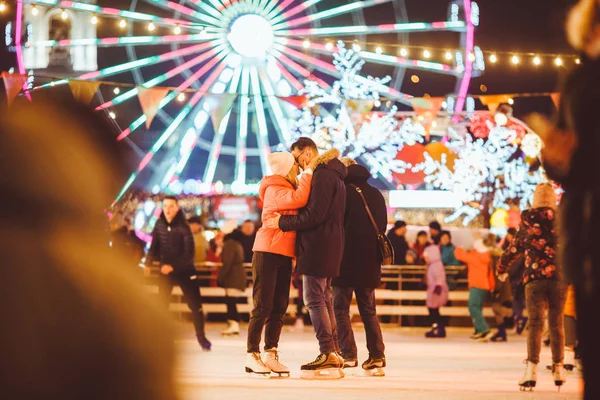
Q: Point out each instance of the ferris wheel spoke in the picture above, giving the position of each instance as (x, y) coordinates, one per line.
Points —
(189, 12)
(172, 95)
(217, 142)
(127, 41)
(323, 66)
(289, 77)
(216, 11)
(299, 69)
(457, 26)
(116, 13)
(386, 59)
(290, 13)
(242, 134)
(275, 108)
(263, 134)
(163, 77)
(332, 12)
(273, 8)
(171, 128)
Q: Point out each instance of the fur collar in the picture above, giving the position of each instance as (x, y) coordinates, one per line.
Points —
(327, 156)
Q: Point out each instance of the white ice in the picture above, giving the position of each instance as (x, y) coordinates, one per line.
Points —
(454, 368)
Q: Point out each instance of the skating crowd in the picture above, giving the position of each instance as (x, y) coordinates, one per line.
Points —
(323, 233)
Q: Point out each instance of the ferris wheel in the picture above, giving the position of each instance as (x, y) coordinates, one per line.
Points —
(261, 51)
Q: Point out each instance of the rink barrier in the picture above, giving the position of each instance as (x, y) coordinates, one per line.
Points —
(403, 275)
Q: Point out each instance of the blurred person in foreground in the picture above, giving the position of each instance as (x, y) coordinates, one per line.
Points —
(360, 270)
(542, 278)
(173, 248)
(76, 322)
(570, 158)
(200, 242)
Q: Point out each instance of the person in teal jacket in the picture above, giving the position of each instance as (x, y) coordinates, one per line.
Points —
(448, 258)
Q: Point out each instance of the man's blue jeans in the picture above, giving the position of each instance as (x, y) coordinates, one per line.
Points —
(318, 301)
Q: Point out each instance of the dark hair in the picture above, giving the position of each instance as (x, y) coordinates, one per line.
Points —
(169, 197)
(421, 233)
(435, 225)
(442, 233)
(248, 221)
(303, 143)
(511, 231)
(399, 224)
(195, 220)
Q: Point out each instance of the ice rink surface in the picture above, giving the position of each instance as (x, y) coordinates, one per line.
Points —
(454, 368)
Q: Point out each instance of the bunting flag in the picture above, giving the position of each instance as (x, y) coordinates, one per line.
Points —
(493, 101)
(555, 99)
(83, 91)
(359, 105)
(13, 84)
(427, 110)
(297, 101)
(149, 100)
(218, 106)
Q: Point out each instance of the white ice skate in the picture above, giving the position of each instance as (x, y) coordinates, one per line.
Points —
(233, 328)
(558, 374)
(529, 379)
(272, 362)
(255, 366)
(326, 366)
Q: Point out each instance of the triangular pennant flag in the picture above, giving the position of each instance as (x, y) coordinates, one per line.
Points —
(14, 84)
(494, 98)
(149, 100)
(427, 107)
(493, 107)
(359, 105)
(218, 106)
(83, 91)
(297, 101)
(555, 99)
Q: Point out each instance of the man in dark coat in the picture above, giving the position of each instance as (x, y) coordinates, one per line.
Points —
(435, 231)
(360, 271)
(570, 156)
(319, 243)
(173, 247)
(398, 239)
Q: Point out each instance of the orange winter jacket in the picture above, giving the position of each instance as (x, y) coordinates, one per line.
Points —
(479, 267)
(278, 195)
(570, 302)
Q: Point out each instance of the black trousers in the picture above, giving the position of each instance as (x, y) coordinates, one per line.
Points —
(365, 298)
(435, 317)
(272, 275)
(191, 296)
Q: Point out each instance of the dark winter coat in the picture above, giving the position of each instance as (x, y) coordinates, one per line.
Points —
(400, 246)
(320, 225)
(232, 274)
(537, 241)
(361, 262)
(579, 216)
(173, 244)
(247, 243)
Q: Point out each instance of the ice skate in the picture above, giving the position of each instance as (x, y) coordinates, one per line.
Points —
(255, 366)
(272, 362)
(350, 362)
(325, 366)
(529, 379)
(437, 331)
(204, 343)
(476, 335)
(485, 336)
(374, 366)
(499, 336)
(232, 329)
(558, 374)
(521, 324)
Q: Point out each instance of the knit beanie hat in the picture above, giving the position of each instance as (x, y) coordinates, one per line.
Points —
(281, 163)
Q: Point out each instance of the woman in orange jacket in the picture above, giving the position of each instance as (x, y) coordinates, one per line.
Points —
(481, 282)
(274, 252)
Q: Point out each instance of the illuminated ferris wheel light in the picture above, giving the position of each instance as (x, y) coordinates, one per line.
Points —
(177, 30)
(251, 35)
(378, 50)
(426, 54)
(94, 20)
(151, 27)
(122, 24)
(64, 15)
(34, 11)
(329, 45)
(306, 44)
(403, 52)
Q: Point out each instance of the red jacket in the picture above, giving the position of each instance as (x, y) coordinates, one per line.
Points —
(278, 195)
